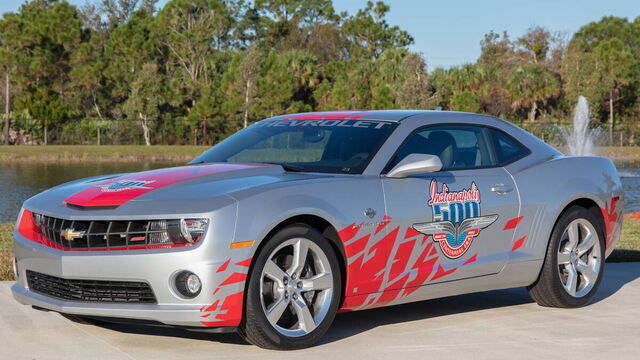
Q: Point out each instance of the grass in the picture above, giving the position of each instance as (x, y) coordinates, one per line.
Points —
(93, 153)
(6, 251)
(628, 248)
(622, 156)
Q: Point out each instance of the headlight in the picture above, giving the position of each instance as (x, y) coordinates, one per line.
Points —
(181, 231)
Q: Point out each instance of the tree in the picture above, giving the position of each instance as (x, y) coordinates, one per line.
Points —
(118, 12)
(603, 62)
(369, 34)
(465, 100)
(10, 49)
(192, 31)
(249, 70)
(614, 61)
(537, 42)
(532, 86)
(145, 98)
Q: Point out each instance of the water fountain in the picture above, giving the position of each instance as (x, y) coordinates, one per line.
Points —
(580, 139)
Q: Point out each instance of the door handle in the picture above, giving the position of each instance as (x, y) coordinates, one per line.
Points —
(501, 189)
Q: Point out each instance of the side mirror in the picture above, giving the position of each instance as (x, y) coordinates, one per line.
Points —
(415, 164)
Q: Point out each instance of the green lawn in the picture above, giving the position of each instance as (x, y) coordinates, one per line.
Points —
(6, 251)
(623, 156)
(628, 248)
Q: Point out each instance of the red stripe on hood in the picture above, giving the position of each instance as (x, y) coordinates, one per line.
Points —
(117, 191)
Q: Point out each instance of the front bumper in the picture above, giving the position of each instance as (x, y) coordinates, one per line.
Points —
(219, 303)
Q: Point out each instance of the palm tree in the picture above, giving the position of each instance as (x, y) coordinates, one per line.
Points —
(530, 86)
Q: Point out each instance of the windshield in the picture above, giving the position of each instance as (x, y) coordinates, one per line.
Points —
(329, 146)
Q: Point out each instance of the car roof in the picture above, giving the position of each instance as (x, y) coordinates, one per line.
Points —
(384, 115)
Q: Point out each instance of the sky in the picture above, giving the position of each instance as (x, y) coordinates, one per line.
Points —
(448, 32)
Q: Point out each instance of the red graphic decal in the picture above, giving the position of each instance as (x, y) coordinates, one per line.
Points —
(356, 246)
(610, 218)
(472, 259)
(234, 278)
(411, 232)
(310, 116)
(424, 267)
(335, 115)
(211, 307)
(442, 272)
(392, 291)
(230, 312)
(511, 224)
(226, 305)
(518, 244)
(339, 115)
(223, 267)
(401, 259)
(385, 221)
(117, 191)
(348, 233)
(360, 115)
(245, 263)
(364, 276)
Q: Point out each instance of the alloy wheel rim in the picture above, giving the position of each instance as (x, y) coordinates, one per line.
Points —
(579, 258)
(296, 287)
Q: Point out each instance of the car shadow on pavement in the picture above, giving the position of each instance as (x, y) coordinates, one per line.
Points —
(616, 275)
(352, 323)
(225, 338)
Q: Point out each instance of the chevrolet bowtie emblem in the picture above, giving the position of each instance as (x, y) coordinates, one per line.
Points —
(70, 234)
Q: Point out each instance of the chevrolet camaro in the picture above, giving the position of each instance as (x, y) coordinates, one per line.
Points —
(276, 229)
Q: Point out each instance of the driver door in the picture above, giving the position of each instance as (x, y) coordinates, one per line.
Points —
(453, 219)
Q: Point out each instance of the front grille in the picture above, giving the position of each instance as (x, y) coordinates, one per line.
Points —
(90, 290)
(102, 234)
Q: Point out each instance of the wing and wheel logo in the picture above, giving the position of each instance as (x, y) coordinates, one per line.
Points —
(456, 219)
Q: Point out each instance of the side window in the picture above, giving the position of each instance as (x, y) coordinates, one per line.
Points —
(507, 149)
(459, 147)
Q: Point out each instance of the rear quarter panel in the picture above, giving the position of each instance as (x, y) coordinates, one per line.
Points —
(548, 186)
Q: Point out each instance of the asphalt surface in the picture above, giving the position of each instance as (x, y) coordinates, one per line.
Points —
(490, 325)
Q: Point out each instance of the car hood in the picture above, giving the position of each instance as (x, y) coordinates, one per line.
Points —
(192, 188)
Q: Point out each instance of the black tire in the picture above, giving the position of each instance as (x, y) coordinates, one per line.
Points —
(255, 328)
(548, 290)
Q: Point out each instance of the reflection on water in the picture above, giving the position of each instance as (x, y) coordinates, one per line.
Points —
(20, 181)
(631, 184)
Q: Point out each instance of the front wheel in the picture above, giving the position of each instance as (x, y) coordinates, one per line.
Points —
(293, 292)
(574, 263)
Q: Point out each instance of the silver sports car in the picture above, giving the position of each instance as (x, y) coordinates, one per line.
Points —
(273, 231)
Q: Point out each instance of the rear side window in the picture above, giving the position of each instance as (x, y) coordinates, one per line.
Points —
(507, 149)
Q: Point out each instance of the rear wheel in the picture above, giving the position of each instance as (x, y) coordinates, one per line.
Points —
(574, 263)
(293, 292)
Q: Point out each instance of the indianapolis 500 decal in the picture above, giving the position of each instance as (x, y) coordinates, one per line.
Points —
(456, 219)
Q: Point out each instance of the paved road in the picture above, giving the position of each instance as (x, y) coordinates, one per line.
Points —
(490, 325)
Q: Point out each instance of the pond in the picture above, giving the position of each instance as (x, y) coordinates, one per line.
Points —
(19, 181)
